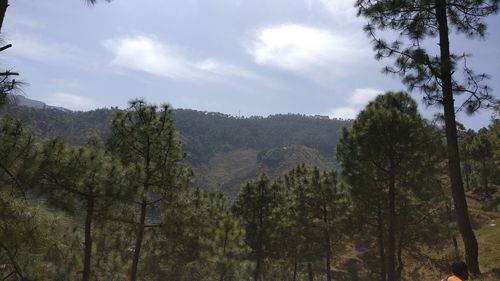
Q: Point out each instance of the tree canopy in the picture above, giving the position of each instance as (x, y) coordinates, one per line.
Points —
(435, 72)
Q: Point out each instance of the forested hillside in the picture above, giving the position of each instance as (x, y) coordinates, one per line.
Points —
(128, 208)
(224, 150)
(153, 193)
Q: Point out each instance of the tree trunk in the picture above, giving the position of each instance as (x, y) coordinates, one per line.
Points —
(456, 251)
(144, 209)
(328, 260)
(391, 237)
(295, 268)
(310, 273)
(400, 267)
(4, 4)
(88, 239)
(467, 179)
(328, 246)
(381, 246)
(258, 265)
(138, 241)
(466, 171)
(258, 256)
(223, 271)
(457, 189)
(485, 176)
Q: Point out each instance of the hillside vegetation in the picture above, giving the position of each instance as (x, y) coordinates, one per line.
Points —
(121, 201)
(225, 151)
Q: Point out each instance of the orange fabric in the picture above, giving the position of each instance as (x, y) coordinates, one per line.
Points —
(453, 278)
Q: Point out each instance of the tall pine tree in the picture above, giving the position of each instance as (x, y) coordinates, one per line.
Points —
(435, 75)
(256, 205)
(391, 159)
(144, 137)
(84, 179)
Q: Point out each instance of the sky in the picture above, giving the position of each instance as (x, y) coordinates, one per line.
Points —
(239, 57)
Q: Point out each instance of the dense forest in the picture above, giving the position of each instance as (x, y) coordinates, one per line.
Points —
(152, 193)
(224, 150)
(133, 202)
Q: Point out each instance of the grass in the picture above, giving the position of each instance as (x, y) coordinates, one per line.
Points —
(489, 246)
(488, 237)
(487, 230)
(486, 226)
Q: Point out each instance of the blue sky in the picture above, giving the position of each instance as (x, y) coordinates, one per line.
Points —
(240, 57)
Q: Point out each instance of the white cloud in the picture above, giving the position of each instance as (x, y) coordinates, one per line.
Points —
(70, 101)
(362, 96)
(224, 69)
(341, 12)
(339, 7)
(148, 54)
(356, 102)
(306, 50)
(343, 113)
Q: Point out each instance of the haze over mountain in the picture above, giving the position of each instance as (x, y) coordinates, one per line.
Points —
(21, 100)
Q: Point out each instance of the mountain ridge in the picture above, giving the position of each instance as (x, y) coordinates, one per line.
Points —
(21, 100)
(224, 151)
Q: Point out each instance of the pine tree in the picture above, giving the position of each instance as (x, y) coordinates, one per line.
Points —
(481, 151)
(80, 178)
(321, 209)
(464, 140)
(18, 156)
(256, 206)
(144, 136)
(291, 223)
(198, 239)
(230, 249)
(32, 238)
(389, 170)
(36, 243)
(435, 75)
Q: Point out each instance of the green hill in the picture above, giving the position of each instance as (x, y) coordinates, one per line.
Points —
(224, 151)
(227, 170)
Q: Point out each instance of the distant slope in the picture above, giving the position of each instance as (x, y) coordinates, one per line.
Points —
(228, 170)
(20, 100)
(225, 151)
(225, 132)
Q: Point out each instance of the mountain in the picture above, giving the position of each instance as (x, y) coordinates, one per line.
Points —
(225, 151)
(227, 170)
(20, 100)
